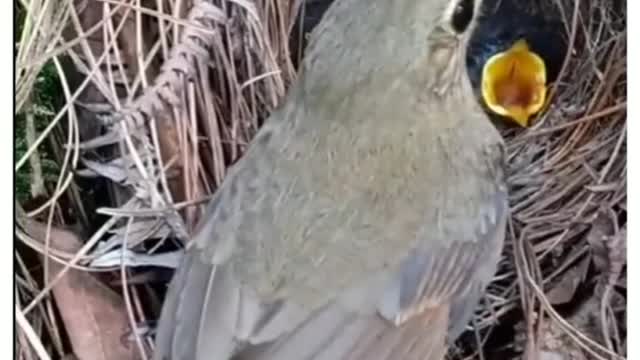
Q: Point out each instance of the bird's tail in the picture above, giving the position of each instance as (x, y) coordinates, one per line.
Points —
(334, 334)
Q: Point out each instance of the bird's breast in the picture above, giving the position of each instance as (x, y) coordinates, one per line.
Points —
(348, 199)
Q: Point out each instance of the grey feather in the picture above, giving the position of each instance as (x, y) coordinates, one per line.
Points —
(333, 334)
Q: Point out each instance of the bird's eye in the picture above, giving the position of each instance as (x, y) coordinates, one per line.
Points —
(462, 15)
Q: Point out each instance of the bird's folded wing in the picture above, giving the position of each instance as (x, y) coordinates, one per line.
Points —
(334, 333)
(452, 271)
(208, 315)
(213, 316)
(432, 297)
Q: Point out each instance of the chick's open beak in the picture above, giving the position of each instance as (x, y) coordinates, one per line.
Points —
(514, 83)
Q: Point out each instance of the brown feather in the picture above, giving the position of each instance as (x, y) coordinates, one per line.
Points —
(335, 334)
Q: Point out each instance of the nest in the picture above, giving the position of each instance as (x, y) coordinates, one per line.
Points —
(158, 101)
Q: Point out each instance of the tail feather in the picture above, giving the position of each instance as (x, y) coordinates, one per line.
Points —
(186, 303)
(336, 334)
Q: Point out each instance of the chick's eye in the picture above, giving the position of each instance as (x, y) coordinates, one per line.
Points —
(462, 15)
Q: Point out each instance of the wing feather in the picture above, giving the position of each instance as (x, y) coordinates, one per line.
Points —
(449, 271)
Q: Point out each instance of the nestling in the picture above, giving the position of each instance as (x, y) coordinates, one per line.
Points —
(516, 51)
(367, 216)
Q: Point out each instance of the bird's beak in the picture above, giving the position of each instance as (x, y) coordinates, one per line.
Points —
(514, 83)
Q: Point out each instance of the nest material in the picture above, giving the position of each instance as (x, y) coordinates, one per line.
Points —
(170, 124)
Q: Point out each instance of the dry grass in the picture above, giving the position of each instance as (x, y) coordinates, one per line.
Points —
(160, 97)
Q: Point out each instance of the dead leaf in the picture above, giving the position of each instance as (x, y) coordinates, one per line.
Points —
(111, 170)
(94, 316)
(563, 291)
(130, 258)
(136, 233)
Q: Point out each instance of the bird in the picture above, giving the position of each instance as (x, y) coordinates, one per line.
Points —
(368, 214)
(515, 52)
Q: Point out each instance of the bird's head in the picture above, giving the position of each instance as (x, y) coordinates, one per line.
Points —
(514, 83)
(391, 44)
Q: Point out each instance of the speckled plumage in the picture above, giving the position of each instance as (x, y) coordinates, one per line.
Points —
(368, 214)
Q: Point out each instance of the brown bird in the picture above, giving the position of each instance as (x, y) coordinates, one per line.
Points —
(368, 215)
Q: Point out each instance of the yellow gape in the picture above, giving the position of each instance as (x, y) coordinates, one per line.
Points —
(514, 83)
